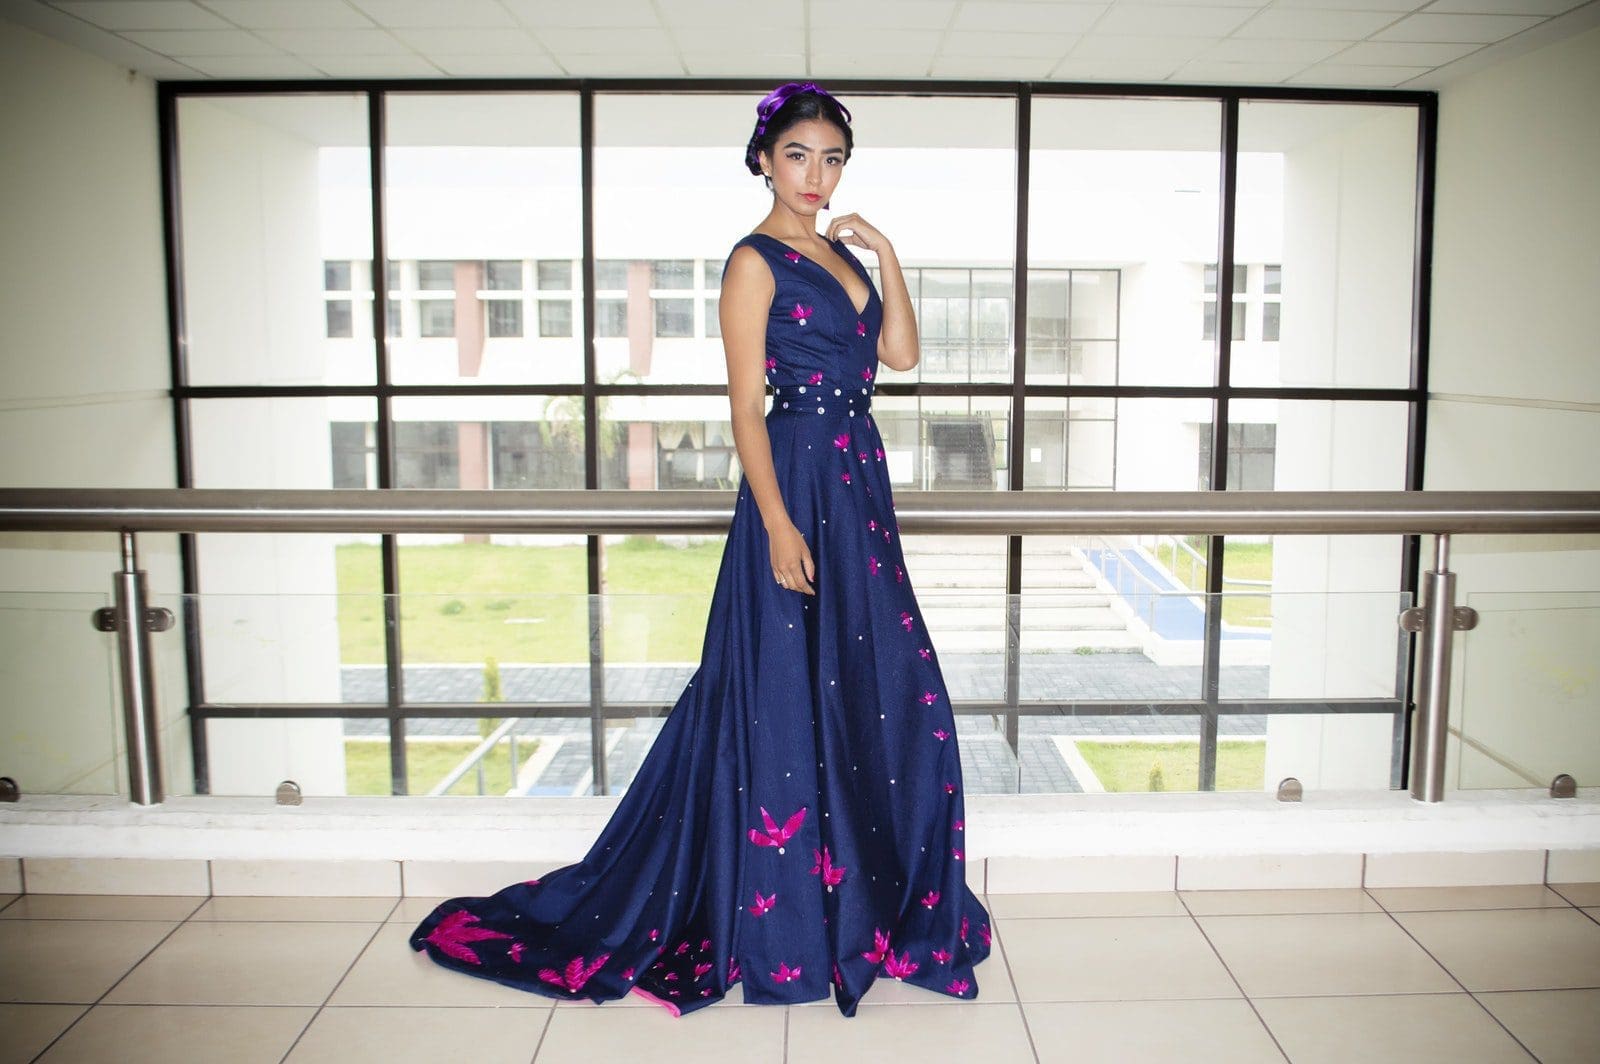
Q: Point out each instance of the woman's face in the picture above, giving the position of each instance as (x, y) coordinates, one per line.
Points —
(806, 163)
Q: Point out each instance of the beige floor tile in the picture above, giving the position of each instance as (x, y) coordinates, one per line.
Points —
(1512, 949)
(963, 1032)
(1401, 1029)
(180, 1034)
(1578, 893)
(1261, 902)
(390, 972)
(1133, 958)
(71, 960)
(216, 963)
(412, 910)
(735, 996)
(713, 1035)
(1110, 903)
(1557, 1026)
(1434, 899)
(422, 1036)
(1119, 1032)
(300, 910)
(29, 1028)
(171, 908)
(7, 899)
(994, 985)
(1323, 953)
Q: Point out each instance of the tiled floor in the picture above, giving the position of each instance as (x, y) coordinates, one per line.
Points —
(1462, 975)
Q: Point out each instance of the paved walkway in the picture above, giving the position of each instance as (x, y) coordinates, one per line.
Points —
(988, 764)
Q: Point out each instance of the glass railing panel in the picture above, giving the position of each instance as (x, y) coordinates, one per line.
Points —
(1147, 749)
(61, 732)
(1526, 691)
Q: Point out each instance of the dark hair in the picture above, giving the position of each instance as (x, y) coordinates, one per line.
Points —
(799, 107)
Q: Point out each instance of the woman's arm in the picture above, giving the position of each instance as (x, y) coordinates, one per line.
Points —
(898, 346)
(747, 290)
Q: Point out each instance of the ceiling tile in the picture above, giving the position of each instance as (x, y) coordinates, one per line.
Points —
(288, 14)
(592, 14)
(1396, 6)
(497, 66)
(1505, 7)
(738, 41)
(1468, 29)
(1112, 70)
(869, 65)
(1342, 76)
(1235, 73)
(745, 65)
(1236, 50)
(609, 65)
(1315, 25)
(373, 66)
(143, 14)
(1153, 50)
(472, 42)
(1404, 53)
(1170, 21)
(882, 42)
(1010, 16)
(421, 14)
(335, 42)
(731, 13)
(201, 42)
(96, 41)
(1052, 45)
(999, 68)
(252, 66)
(853, 15)
(634, 40)
(1258, 4)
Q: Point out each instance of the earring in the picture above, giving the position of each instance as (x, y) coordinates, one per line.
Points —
(825, 205)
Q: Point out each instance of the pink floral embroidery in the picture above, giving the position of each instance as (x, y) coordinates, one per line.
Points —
(880, 947)
(941, 734)
(960, 825)
(530, 883)
(899, 967)
(905, 620)
(670, 977)
(964, 926)
(924, 653)
(983, 933)
(942, 956)
(772, 363)
(683, 947)
(792, 256)
(930, 899)
(959, 986)
(776, 836)
(763, 905)
(515, 952)
(949, 788)
(866, 375)
(701, 969)
(899, 573)
(873, 565)
(816, 378)
(928, 698)
(733, 970)
(575, 974)
(831, 874)
(705, 944)
(801, 312)
(845, 477)
(842, 441)
(837, 978)
(453, 934)
(655, 933)
(956, 854)
(879, 452)
(786, 974)
(627, 973)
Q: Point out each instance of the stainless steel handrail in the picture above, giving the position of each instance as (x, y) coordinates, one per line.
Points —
(1442, 514)
(943, 512)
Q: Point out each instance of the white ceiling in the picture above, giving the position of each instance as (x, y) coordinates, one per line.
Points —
(1338, 43)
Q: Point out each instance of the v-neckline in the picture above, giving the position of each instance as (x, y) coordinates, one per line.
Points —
(836, 282)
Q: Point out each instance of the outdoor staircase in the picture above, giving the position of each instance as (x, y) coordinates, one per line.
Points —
(960, 585)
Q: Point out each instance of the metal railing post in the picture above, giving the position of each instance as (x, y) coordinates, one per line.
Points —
(134, 623)
(1436, 621)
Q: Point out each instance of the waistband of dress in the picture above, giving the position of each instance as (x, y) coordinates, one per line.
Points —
(817, 399)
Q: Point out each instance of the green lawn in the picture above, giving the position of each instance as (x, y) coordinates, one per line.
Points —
(1122, 767)
(466, 602)
(366, 765)
(1240, 561)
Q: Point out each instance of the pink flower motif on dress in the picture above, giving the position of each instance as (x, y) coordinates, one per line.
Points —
(880, 947)
(683, 947)
(941, 734)
(842, 441)
(763, 905)
(701, 969)
(983, 933)
(960, 825)
(861, 328)
(838, 979)
(575, 974)
(949, 788)
(705, 944)
(785, 974)
(873, 565)
(930, 899)
(899, 573)
(670, 977)
(964, 926)
(924, 653)
(530, 882)
(816, 378)
(899, 967)
(792, 256)
(879, 452)
(801, 312)
(905, 620)
(733, 970)
(955, 853)
(831, 874)
(941, 956)
(928, 698)
(959, 986)
(772, 363)
(845, 477)
(861, 455)
(655, 933)
(866, 374)
(515, 952)
(774, 835)
(627, 973)
(454, 933)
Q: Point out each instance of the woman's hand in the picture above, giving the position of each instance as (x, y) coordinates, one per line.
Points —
(862, 233)
(791, 559)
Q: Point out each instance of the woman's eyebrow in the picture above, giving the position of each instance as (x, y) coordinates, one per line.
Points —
(807, 147)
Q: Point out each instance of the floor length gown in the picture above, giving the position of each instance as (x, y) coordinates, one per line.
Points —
(797, 826)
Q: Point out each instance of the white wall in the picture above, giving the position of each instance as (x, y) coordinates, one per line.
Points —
(1515, 398)
(83, 374)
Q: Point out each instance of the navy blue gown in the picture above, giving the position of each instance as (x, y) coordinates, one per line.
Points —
(798, 824)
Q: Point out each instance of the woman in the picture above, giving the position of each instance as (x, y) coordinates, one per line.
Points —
(818, 722)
